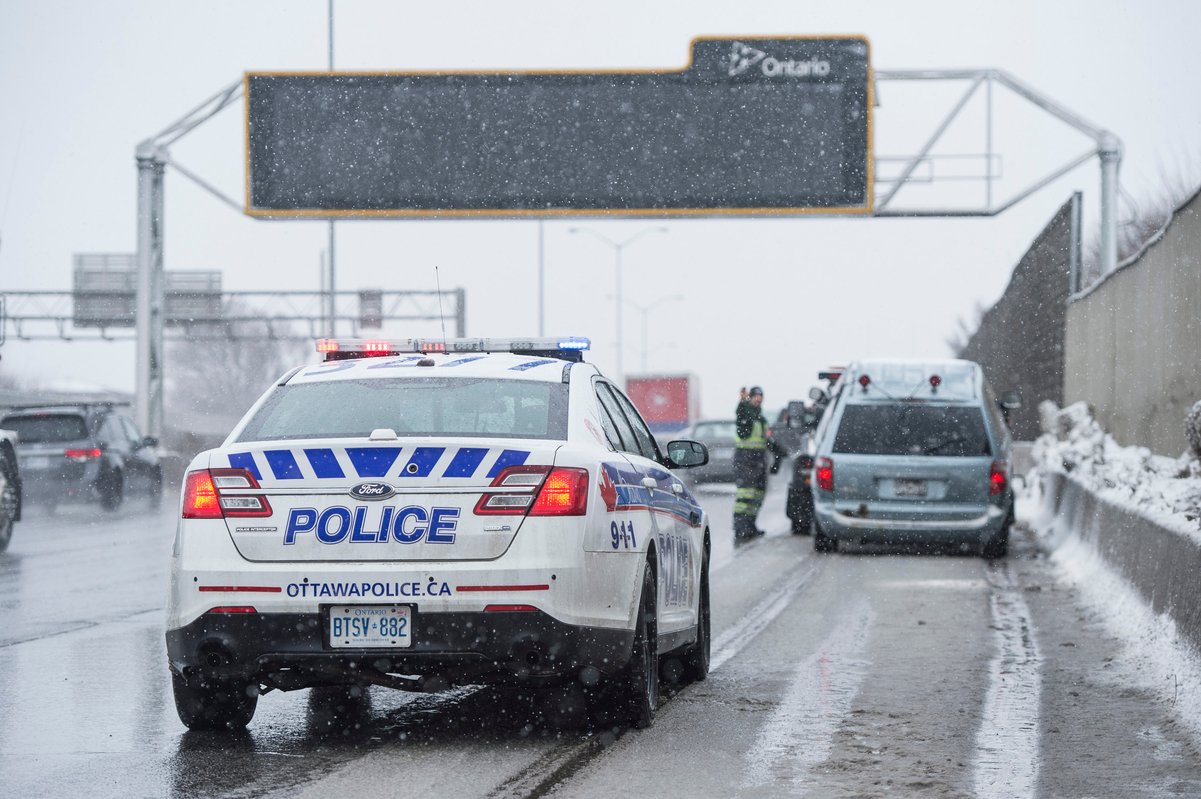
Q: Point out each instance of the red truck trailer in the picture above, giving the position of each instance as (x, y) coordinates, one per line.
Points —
(669, 403)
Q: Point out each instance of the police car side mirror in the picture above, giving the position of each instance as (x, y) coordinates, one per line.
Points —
(684, 454)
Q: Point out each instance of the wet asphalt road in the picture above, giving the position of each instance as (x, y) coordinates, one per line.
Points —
(863, 673)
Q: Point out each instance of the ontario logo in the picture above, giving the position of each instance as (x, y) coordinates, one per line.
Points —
(743, 57)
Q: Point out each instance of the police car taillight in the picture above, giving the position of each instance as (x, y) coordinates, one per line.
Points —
(524, 482)
(563, 493)
(211, 494)
(537, 491)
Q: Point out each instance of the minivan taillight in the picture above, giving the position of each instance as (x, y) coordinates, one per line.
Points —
(998, 478)
(824, 474)
(81, 455)
(211, 494)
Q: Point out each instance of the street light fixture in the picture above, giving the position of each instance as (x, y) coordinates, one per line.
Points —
(618, 248)
(645, 311)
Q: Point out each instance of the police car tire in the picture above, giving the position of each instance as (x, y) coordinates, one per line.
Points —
(112, 490)
(641, 675)
(205, 705)
(696, 661)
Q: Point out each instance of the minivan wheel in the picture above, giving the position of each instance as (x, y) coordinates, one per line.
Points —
(205, 705)
(823, 542)
(641, 675)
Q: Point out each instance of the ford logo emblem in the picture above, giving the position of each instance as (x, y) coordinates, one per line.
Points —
(372, 491)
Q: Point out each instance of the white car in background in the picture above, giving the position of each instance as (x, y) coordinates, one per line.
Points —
(418, 514)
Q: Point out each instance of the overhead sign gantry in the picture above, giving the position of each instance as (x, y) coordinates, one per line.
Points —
(750, 126)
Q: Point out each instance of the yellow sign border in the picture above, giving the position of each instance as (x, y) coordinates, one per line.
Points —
(548, 213)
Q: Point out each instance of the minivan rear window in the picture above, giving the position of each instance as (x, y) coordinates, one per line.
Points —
(46, 428)
(912, 429)
(412, 407)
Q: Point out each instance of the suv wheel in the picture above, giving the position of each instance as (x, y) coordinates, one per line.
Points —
(640, 682)
(112, 490)
(155, 497)
(8, 508)
(823, 542)
(204, 705)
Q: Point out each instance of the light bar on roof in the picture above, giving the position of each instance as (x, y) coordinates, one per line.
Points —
(567, 346)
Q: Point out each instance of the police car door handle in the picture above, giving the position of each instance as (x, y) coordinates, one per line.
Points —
(650, 482)
(677, 488)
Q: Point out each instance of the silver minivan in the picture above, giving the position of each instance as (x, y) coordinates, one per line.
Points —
(913, 452)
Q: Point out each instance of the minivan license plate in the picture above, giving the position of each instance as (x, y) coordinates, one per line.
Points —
(911, 488)
(370, 626)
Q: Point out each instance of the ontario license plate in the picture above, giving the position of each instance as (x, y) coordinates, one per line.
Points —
(370, 626)
(911, 488)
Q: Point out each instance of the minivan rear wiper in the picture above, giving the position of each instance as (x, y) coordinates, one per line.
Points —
(955, 439)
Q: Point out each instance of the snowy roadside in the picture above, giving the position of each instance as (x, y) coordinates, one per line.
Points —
(1164, 490)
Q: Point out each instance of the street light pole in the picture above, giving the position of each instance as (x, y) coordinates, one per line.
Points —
(645, 311)
(618, 248)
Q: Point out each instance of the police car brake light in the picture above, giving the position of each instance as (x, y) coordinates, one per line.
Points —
(564, 492)
(206, 497)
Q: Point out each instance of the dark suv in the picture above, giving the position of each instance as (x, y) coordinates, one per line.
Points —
(86, 451)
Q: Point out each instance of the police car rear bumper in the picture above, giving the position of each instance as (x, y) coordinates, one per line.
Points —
(290, 650)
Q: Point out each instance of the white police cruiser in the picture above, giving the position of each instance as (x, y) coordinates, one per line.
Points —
(418, 514)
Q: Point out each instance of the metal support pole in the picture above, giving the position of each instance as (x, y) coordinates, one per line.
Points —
(149, 398)
(332, 287)
(541, 278)
(1110, 152)
(1075, 245)
(620, 376)
(460, 313)
(988, 145)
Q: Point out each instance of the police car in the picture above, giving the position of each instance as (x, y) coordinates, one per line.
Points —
(419, 514)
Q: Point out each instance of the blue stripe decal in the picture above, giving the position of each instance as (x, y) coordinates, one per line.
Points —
(324, 463)
(465, 462)
(372, 461)
(521, 367)
(245, 460)
(424, 459)
(509, 457)
(283, 464)
(398, 362)
(461, 361)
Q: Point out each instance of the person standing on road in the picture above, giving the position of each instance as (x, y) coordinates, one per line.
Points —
(753, 439)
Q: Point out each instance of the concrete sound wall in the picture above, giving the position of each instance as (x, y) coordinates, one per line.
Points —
(1020, 342)
(1133, 339)
(1160, 563)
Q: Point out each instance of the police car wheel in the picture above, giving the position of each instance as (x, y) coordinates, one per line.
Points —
(696, 662)
(204, 705)
(641, 683)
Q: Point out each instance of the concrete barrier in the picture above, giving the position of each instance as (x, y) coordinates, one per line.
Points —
(1163, 565)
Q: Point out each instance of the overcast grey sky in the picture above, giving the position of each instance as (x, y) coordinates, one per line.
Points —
(767, 301)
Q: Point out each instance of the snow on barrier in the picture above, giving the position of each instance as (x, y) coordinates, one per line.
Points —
(1141, 512)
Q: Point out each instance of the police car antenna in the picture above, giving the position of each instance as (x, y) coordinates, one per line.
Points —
(442, 316)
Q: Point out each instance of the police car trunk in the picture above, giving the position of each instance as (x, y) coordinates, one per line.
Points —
(408, 458)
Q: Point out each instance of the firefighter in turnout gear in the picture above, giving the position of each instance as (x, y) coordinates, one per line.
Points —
(752, 442)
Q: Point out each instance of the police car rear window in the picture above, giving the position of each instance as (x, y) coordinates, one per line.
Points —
(912, 429)
(46, 428)
(412, 407)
